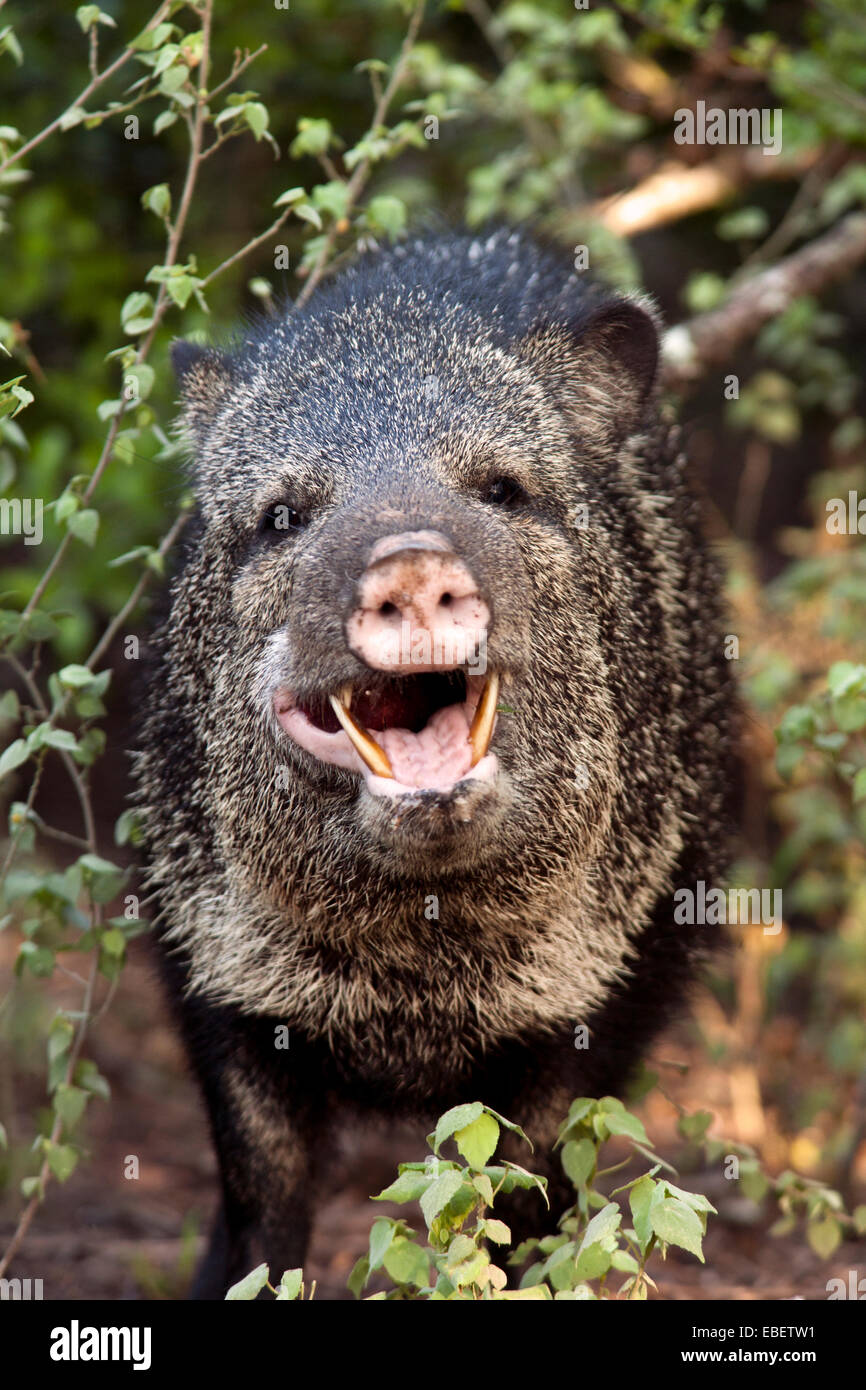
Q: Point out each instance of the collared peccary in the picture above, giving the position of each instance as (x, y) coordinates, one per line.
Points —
(438, 719)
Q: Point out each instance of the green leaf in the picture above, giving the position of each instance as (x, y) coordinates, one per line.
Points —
(308, 213)
(358, 1278)
(696, 1200)
(484, 1187)
(290, 1285)
(578, 1160)
(62, 1160)
(257, 118)
(13, 756)
(695, 1126)
(407, 1187)
(102, 878)
(797, 723)
(824, 1236)
(75, 677)
(314, 137)
(73, 116)
(458, 1117)
(10, 706)
(602, 1225)
(39, 960)
(497, 1231)
(846, 678)
(136, 314)
(173, 79)
(44, 736)
(87, 1075)
(439, 1194)
(157, 200)
(88, 15)
(640, 1199)
(471, 1270)
(382, 1233)
(138, 382)
(744, 224)
(69, 1103)
(250, 1286)
(407, 1263)
(163, 121)
(678, 1224)
(591, 1263)
(127, 829)
(386, 214)
(477, 1141)
(59, 1038)
(626, 1124)
(84, 525)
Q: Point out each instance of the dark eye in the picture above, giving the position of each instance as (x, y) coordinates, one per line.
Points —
(503, 492)
(281, 520)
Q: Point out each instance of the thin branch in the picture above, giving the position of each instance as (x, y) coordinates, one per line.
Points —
(117, 622)
(96, 81)
(692, 348)
(250, 246)
(359, 178)
(237, 70)
(160, 306)
(192, 170)
(53, 833)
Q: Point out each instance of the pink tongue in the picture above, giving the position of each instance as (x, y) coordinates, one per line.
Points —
(437, 757)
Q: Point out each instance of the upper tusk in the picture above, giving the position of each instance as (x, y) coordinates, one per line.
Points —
(366, 747)
(481, 729)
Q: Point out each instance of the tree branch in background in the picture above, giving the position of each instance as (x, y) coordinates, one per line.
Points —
(676, 190)
(691, 348)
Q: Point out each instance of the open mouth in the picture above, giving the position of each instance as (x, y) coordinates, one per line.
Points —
(402, 733)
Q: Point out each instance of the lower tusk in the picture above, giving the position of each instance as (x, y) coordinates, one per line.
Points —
(366, 747)
(481, 730)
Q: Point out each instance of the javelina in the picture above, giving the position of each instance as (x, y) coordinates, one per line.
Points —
(439, 717)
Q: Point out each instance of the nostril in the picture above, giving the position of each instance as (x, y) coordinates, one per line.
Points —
(445, 600)
(387, 609)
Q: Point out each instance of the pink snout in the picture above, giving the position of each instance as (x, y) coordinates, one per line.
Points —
(418, 607)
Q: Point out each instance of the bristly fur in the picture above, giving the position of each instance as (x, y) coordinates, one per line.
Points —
(284, 894)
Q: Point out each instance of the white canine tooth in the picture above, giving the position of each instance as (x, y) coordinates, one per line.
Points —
(481, 729)
(346, 695)
(365, 746)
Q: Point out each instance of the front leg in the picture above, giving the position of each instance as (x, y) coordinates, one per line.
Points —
(265, 1118)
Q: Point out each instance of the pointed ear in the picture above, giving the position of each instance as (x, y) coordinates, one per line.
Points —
(602, 368)
(205, 378)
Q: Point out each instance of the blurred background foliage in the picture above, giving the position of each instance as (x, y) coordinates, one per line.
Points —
(563, 117)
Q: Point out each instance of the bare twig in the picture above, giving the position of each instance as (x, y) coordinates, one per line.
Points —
(237, 68)
(692, 348)
(250, 246)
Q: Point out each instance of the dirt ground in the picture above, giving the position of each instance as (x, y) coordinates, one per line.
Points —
(105, 1236)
